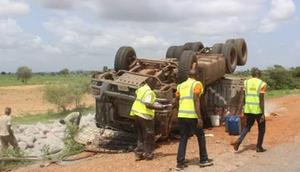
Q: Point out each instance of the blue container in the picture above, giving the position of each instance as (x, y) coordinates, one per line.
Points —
(233, 124)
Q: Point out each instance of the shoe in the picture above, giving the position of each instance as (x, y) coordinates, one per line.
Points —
(261, 149)
(185, 163)
(181, 166)
(206, 163)
(149, 157)
(235, 145)
(139, 157)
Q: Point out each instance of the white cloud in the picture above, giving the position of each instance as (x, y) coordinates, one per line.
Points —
(13, 8)
(85, 34)
(297, 44)
(281, 11)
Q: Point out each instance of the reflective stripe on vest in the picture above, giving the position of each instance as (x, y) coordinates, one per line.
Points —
(252, 93)
(139, 107)
(186, 101)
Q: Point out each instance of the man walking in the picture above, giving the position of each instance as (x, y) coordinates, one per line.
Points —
(255, 90)
(6, 133)
(143, 112)
(190, 121)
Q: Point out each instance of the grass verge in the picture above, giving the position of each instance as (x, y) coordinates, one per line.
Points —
(11, 80)
(48, 117)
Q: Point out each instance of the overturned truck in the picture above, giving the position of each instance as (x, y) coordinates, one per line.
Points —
(114, 91)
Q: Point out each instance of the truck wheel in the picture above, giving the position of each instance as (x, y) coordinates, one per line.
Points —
(197, 46)
(230, 55)
(124, 57)
(217, 48)
(185, 64)
(241, 49)
(171, 52)
(188, 45)
(178, 51)
(232, 41)
(194, 46)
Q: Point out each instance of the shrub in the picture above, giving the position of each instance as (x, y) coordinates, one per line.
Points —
(278, 77)
(77, 90)
(63, 95)
(58, 94)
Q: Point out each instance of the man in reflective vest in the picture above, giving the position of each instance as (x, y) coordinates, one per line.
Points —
(189, 119)
(255, 90)
(143, 110)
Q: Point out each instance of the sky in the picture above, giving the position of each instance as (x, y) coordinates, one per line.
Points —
(49, 35)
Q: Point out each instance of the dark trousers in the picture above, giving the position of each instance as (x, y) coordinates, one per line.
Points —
(9, 140)
(251, 118)
(146, 137)
(187, 126)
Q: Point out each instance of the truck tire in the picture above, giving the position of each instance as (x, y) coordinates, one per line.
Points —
(230, 41)
(241, 49)
(230, 56)
(188, 45)
(197, 46)
(217, 48)
(185, 64)
(124, 57)
(171, 52)
(194, 46)
(178, 51)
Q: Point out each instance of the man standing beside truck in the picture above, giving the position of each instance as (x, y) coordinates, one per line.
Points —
(143, 110)
(254, 109)
(190, 121)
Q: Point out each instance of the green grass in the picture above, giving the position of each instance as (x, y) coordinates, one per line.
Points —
(11, 80)
(47, 117)
(280, 93)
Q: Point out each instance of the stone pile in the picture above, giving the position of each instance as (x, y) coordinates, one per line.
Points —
(33, 138)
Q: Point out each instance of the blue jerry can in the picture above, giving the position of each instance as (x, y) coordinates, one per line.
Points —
(233, 124)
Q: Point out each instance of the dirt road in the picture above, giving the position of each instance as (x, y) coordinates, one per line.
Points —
(281, 128)
(282, 158)
(28, 100)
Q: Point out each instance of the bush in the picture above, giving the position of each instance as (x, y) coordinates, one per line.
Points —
(71, 146)
(24, 73)
(278, 77)
(63, 95)
(58, 94)
(77, 90)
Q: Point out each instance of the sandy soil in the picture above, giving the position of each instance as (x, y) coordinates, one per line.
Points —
(26, 100)
(281, 128)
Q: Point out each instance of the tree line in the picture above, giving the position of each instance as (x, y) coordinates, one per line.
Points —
(278, 77)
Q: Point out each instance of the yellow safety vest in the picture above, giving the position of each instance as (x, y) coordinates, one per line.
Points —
(139, 108)
(252, 93)
(186, 101)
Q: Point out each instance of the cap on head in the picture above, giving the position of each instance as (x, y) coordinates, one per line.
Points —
(255, 72)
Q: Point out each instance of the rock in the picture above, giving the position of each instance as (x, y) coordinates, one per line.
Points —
(22, 145)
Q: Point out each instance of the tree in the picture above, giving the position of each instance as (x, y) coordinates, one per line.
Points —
(24, 73)
(64, 71)
(3, 73)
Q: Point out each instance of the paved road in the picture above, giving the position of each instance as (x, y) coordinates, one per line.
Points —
(283, 158)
